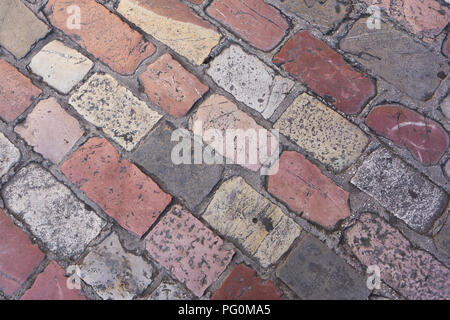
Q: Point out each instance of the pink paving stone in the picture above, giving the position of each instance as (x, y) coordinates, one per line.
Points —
(50, 130)
(52, 285)
(446, 46)
(119, 187)
(421, 136)
(172, 87)
(16, 91)
(324, 70)
(196, 1)
(18, 256)
(260, 24)
(414, 273)
(188, 249)
(303, 187)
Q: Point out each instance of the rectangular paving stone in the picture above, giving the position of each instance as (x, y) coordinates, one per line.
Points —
(188, 249)
(108, 105)
(51, 211)
(175, 24)
(18, 256)
(101, 32)
(315, 272)
(332, 139)
(119, 187)
(249, 80)
(397, 58)
(258, 226)
(50, 130)
(9, 155)
(19, 27)
(401, 190)
(260, 24)
(59, 66)
(324, 71)
(413, 272)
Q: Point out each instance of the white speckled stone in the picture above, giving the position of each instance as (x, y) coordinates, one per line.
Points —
(9, 155)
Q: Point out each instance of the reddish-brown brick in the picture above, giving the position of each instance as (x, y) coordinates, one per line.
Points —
(446, 46)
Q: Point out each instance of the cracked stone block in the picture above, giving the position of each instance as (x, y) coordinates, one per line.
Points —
(59, 66)
(51, 211)
(240, 213)
(315, 272)
(19, 27)
(316, 128)
(18, 256)
(188, 249)
(404, 192)
(18, 93)
(108, 105)
(442, 239)
(397, 58)
(423, 137)
(113, 273)
(305, 190)
(249, 80)
(170, 290)
(50, 130)
(413, 272)
(175, 24)
(255, 21)
(118, 186)
(9, 155)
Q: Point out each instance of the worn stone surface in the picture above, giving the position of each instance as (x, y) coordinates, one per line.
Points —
(188, 249)
(240, 213)
(401, 190)
(108, 105)
(50, 130)
(9, 155)
(423, 137)
(315, 272)
(413, 272)
(332, 139)
(59, 66)
(119, 187)
(172, 87)
(445, 107)
(397, 58)
(17, 91)
(114, 273)
(249, 80)
(51, 211)
(260, 24)
(19, 27)
(189, 181)
(442, 239)
(170, 290)
(175, 24)
(311, 61)
(446, 47)
(18, 256)
(307, 191)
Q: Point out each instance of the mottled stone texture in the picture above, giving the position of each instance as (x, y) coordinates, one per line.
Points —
(188, 249)
(9, 155)
(442, 239)
(170, 290)
(414, 273)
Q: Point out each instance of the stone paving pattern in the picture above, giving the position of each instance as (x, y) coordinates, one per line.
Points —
(93, 207)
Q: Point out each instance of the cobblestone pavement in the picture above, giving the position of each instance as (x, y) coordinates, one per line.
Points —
(92, 205)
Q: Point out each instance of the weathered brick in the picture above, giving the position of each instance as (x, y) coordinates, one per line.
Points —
(260, 24)
(172, 87)
(332, 139)
(249, 80)
(240, 213)
(324, 70)
(101, 33)
(302, 186)
(9, 155)
(119, 187)
(421, 136)
(50, 130)
(18, 93)
(170, 290)
(108, 105)
(59, 66)
(413, 272)
(18, 256)
(175, 24)
(400, 189)
(188, 249)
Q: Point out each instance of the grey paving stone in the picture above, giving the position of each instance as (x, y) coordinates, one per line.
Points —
(170, 290)
(442, 239)
(9, 155)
